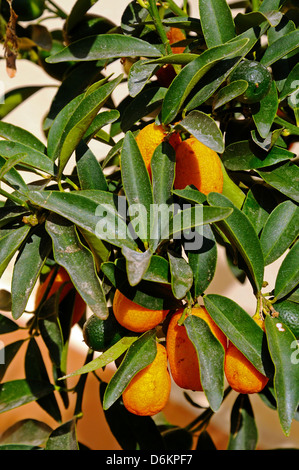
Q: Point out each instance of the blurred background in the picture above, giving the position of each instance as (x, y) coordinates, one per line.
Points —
(92, 428)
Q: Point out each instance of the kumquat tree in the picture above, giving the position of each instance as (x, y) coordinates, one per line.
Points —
(123, 244)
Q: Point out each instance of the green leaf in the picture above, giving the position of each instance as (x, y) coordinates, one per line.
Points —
(77, 12)
(50, 329)
(210, 354)
(137, 187)
(30, 432)
(27, 268)
(181, 275)
(73, 121)
(216, 21)
(284, 349)
(266, 111)
(139, 355)
(101, 120)
(190, 75)
(284, 178)
(78, 261)
(137, 264)
(288, 275)
(64, 437)
(258, 205)
(291, 84)
(190, 194)
(13, 98)
(204, 129)
(140, 74)
(132, 432)
(89, 170)
(243, 429)
(280, 48)
(18, 134)
(240, 329)
(280, 230)
(10, 243)
(13, 178)
(7, 325)
(18, 392)
(105, 46)
(35, 370)
(97, 215)
(34, 158)
(241, 233)
(246, 155)
(229, 92)
(203, 261)
(7, 354)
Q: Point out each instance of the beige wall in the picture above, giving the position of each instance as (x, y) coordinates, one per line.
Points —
(92, 428)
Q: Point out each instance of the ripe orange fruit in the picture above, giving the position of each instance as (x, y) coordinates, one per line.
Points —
(148, 392)
(240, 373)
(166, 73)
(198, 165)
(150, 137)
(182, 356)
(61, 278)
(134, 317)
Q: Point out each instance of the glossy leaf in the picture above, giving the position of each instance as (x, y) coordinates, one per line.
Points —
(216, 21)
(163, 170)
(64, 437)
(266, 112)
(281, 229)
(89, 170)
(10, 243)
(98, 216)
(245, 155)
(78, 261)
(291, 84)
(105, 46)
(230, 92)
(204, 129)
(79, 9)
(35, 370)
(288, 275)
(27, 268)
(239, 230)
(139, 355)
(17, 134)
(231, 190)
(280, 48)
(284, 178)
(255, 18)
(34, 158)
(284, 351)
(181, 275)
(240, 329)
(12, 177)
(190, 194)
(72, 122)
(258, 205)
(140, 74)
(243, 430)
(210, 353)
(26, 432)
(50, 329)
(137, 187)
(203, 261)
(185, 81)
(18, 392)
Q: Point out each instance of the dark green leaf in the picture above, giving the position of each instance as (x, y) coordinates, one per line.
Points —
(205, 442)
(27, 268)
(89, 170)
(77, 12)
(266, 110)
(284, 352)
(288, 311)
(139, 355)
(177, 439)
(78, 261)
(241, 233)
(64, 437)
(26, 432)
(288, 274)
(280, 48)
(246, 155)
(19, 392)
(105, 46)
(284, 178)
(243, 430)
(258, 205)
(18, 134)
(34, 158)
(291, 84)
(230, 92)
(101, 120)
(240, 329)
(50, 329)
(7, 325)
(210, 354)
(203, 261)
(185, 81)
(204, 129)
(140, 74)
(181, 276)
(281, 229)
(136, 183)
(13, 178)
(190, 194)
(35, 370)
(216, 21)
(10, 243)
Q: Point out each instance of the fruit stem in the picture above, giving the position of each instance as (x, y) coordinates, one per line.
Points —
(154, 12)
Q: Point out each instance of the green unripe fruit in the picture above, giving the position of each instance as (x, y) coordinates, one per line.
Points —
(257, 76)
(99, 334)
(289, 315)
